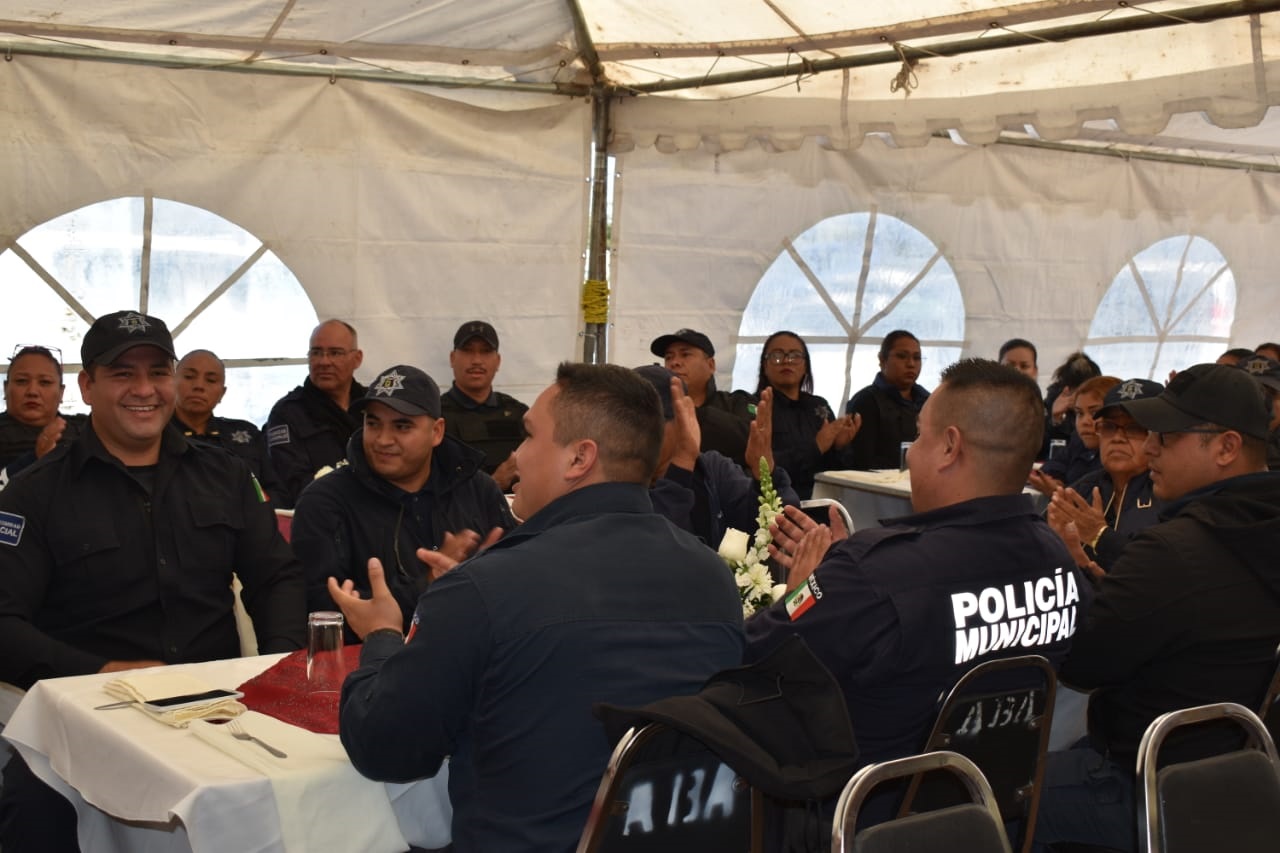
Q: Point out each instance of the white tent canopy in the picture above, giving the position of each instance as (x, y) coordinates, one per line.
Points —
(419, 164)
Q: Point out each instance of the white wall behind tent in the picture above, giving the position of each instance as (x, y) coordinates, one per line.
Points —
(402, 213)
(1035, 237)
(407, 214)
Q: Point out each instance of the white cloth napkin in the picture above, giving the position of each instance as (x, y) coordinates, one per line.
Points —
(157, 685)
(323, 801)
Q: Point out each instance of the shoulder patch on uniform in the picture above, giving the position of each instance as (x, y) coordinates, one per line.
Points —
(278, 435)
(803, 598)
(11, 528)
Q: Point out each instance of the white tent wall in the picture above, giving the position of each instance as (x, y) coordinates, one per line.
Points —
(402, 213)
(1034, 236)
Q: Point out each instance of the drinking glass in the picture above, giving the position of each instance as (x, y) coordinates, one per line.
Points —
(324, 651)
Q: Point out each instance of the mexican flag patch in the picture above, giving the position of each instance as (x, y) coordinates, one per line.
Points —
(802, 598)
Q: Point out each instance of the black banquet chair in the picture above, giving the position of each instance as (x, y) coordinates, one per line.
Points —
(666, 792)
(998, 716)
(973, 826)
(1229, 801)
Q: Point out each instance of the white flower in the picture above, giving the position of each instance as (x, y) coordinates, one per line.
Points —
(749, 556)
(733, 546)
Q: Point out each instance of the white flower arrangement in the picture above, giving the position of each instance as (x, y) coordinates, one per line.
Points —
(749, 557)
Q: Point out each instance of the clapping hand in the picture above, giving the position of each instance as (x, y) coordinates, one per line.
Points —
(799, 542)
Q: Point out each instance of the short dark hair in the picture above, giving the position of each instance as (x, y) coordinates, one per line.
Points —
(999, 412)
(213, 355)
(1075, 369)
(886, 345)
(36, 349)
(617, 409)
(1019, 343)
(806, 381)
(1273, 347)
(1238, 353)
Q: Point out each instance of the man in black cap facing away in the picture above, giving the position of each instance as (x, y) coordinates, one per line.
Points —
(116, 552)
(723, 417)
(488, 420)
(407, 486)
(1190, 612)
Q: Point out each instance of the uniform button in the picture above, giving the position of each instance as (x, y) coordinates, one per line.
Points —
(162, 562)
(173, 650)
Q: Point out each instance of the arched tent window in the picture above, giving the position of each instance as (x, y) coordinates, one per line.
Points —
(1170, 307)
(842, 285)
(216, 285)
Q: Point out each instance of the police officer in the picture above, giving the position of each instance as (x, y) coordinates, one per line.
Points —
(899, 613)
(488, 420)
(117, 552)
(30, 425)
(308, 428)
(407, 486)
(724, 418)
(202, 382)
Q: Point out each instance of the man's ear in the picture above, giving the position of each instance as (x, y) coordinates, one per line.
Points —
(952, 443)
(85, 381)
(586, 455)
(1230, 446)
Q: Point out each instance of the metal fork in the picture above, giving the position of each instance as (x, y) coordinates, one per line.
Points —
(237, 731)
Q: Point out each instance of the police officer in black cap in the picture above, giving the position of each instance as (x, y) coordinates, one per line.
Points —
(723, 417)
(117, 552)
(407, 486)
(488, 420)
(1190, 612)
(1267, 372)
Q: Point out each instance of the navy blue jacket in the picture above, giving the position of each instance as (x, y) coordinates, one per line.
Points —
(888, 419)
(900, 612)
(715, 496)
(593, 599)
(795, 447)
(306, 431)
(352, 514)
(1139, 509)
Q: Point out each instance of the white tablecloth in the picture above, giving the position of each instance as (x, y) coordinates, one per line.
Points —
(873, 495)
(142, 787)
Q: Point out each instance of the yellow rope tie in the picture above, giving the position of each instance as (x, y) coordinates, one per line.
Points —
(595, 301)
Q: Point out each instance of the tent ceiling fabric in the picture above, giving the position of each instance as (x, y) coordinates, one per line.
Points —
(976, 69)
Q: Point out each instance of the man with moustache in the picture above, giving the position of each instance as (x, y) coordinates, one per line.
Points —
(1189, 614)
(308, 428)
(474, 413)
(117, 551)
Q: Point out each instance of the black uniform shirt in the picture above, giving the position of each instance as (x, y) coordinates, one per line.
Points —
(494, 427)
(306, 431)
(244, 440)
(95, 568)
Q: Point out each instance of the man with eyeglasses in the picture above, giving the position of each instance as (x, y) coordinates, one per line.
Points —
(308, 428)
(408, 486)
(1190, 612)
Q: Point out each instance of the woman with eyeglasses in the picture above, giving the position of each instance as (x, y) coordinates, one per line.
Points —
(30, 426)
(807, 437)
(1109, 506)
(889, 405)
(1080, 454)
